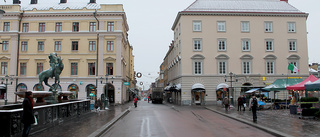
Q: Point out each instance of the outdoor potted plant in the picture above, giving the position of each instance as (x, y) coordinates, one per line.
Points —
(306, 105)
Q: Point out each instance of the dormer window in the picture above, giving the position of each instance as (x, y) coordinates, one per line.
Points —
(63, 1)
(34, 1)
(16, 2)
(92, 1)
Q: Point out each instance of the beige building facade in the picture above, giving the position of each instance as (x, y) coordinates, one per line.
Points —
(254, 43)
(91, 39)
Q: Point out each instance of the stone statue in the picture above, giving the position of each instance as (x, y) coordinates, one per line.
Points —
(56, 66)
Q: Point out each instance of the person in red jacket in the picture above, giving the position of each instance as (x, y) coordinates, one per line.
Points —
(135, 101)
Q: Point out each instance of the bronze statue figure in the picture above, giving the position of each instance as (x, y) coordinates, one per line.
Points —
(56, 66)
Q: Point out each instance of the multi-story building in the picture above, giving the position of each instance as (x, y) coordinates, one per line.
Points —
(251, 40)
(91, 39)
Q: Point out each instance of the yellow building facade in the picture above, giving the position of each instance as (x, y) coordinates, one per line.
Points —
(90, 38)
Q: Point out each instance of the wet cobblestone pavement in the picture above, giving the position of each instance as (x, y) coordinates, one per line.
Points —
(280, 120)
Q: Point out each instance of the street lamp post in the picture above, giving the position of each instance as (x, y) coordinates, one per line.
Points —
(231, 75)
(5, 82)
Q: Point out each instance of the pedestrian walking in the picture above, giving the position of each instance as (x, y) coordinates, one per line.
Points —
(135, 101)
(254, 105)
(27, 113)
(98, 105)
(240, 103)
(149, 97)
(244, 102)
(226, 103)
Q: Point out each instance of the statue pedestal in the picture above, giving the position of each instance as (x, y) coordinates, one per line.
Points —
(40, 95)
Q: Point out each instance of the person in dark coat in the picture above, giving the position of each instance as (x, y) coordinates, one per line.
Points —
(244, 101)
(27, 114)
(240, 103)
(226, 103)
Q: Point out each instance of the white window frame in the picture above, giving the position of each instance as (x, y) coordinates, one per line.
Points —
(221, 26)
(291, 27)
(269, 44)
(292, 43)
(222, 67)
(196, 69)
(245, 26)
(222, 44)
(24, 47)
(268, 26)
(246, 67)
(270, 71)
(197, 44)
(245, 44)
(197, 26)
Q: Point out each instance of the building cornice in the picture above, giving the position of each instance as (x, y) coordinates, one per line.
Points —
(222, 13)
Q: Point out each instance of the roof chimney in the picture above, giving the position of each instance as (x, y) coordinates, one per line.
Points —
(285, 1)
(63, 1)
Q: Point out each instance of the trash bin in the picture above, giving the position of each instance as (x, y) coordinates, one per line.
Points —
(293, 109)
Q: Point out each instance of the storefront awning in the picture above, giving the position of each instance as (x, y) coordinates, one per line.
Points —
(300, 86)
(198, 86)
(281, 84)
(222, 85)
(178, 86)
(314, 86)
(167, 88)
(2, 86)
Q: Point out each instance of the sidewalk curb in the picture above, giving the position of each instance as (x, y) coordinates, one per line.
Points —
(263, 128)
(105, 127)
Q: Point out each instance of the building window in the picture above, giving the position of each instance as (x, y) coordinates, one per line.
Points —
(74, 68)
(40, 46)
(291, 27)
(197, 67)
(25, 27)
(110, 26)
(109, 69)
(6, 26)
(92, 45)
(5, 45)
(63, 1)
(24, 46)
(221, 26)
(197, 44)
(245, 44)
(270, 67)
(109, 45)
(75, 26)
(245, 26)
(23, 69)
(295, 64)
(74, 45)
(39, 68)
(42, 27)
(222, 67)
(292, 45)
(58, 26)
(222, 44)
(57, 46)
(268, 26)
(197, 26)
(34, 1)
(93, 26)
(91, 69)
(4, 68)
(246, 65)
(269, 45)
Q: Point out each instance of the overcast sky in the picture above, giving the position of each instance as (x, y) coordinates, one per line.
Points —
(150, 33)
